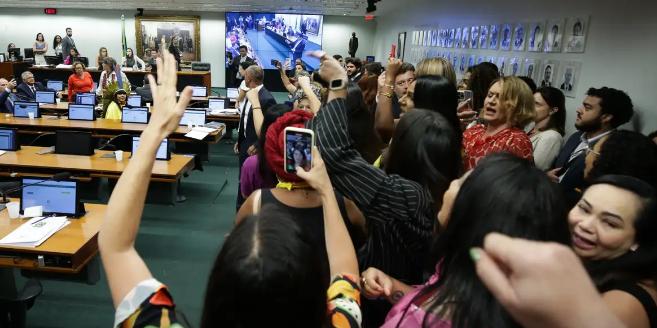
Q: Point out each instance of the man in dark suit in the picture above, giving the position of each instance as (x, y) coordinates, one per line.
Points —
(353, 45)
(27, 90)
(235, 65)
(601, 112)
(67, 43)
(247, 137)
(7, 98)
(145, 91)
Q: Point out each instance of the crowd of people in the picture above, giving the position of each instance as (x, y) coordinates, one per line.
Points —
(427, 201)
(420, 208)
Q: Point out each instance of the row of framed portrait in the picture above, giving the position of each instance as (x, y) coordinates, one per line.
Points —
(563, 75)
(567, 35)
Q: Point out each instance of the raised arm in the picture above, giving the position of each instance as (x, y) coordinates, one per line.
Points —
(286, 80)
(256, 109)
(123, 265)
(384, 120)
(315, 103)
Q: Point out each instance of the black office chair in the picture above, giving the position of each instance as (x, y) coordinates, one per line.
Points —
(29, 52)
(47, 139)
(54, 60)
(84, 60)
(13, 310)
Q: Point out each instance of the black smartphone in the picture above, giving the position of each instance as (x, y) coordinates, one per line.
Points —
(298, 149)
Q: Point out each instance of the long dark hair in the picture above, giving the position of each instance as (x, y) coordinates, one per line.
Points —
(361, 125)
(268, 263)
(43, 39)
(503, 194)
(639, 264)
(438, 94)
(626, 153)
(554, 98)
(483, 75)
(425, 149)
(55, 43)
(270, 115)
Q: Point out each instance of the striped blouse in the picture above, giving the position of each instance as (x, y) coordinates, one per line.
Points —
(399, 211)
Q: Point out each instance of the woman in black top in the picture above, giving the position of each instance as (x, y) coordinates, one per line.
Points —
(173, 49)
(613, 231)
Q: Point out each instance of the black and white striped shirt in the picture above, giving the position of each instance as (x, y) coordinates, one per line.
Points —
(399, 212)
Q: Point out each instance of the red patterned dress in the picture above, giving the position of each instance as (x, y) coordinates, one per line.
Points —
(476, 145)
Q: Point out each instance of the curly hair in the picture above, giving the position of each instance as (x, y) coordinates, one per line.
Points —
(627, 153)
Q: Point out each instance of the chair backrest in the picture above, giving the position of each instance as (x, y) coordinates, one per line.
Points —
(84, 60)
(29, 53)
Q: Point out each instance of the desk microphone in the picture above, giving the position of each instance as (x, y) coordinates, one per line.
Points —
(57, 177)
(109, 142)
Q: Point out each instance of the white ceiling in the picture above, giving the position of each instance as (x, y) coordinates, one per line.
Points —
(327, 7)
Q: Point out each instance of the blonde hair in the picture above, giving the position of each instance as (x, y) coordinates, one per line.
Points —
(518, 101)
(436, 66)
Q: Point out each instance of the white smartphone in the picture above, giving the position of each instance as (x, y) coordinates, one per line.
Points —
(298, 149)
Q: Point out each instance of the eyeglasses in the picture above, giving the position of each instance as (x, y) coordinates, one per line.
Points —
(590, 150)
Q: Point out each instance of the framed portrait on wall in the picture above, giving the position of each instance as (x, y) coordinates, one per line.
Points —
(434, 38)
(515, 67)
(450, 38)
(519, 34)
(505, 43)
(501, 65)
(531, 68)
(149, 31)
(463, 63)
(481, 59)
(455, 60)
(465, 38)
(576, 32)
(554, 30)
(401, 45)
(536, 32)
(569, 77)
(483, 37)
(457, 38)
(493, 39)
(491, 59)
(474, 37)
(548, 73)
(2, 57)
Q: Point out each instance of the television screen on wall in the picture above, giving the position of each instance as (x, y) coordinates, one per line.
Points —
(271, 37)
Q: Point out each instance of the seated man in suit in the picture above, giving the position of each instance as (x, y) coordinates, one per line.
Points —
(247, 137)
(145, 91)
(27, 90)
(7, 98)
(601, 112)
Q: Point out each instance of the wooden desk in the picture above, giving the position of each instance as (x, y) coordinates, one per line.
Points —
(61, 106)
(224, 118)
(27, 162)
(67, 251)
(185, 78)
(100, 128)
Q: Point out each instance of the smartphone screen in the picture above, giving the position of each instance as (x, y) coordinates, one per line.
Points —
(298, 149)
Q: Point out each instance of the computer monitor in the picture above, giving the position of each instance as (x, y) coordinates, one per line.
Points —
(53, 60)
(74, 143)
(45, 97)
(81, 112)
(232, 93)
(8, 140)
(163, 151)
(22, 108)
(55, 85)
(86, 98)
(14, 52)
(198, 91)
(216, 103)
(56, 197)
(134, 115)
(134, 101)
(193, 117)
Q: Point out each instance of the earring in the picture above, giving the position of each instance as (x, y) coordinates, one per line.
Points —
(634, 247)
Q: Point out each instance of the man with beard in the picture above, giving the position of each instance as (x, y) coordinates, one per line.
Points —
(601, 112)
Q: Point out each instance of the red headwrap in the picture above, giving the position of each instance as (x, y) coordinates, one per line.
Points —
(275, 142)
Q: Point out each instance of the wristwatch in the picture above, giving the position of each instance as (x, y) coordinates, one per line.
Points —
(338, 84)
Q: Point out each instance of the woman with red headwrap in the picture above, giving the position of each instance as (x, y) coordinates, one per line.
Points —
(293, 194)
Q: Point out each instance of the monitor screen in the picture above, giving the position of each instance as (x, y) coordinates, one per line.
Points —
(193, 117)
(134, 101)
(134, 115)
(86, 98)
(271, 36)
(22, 108)
(55, 196)
(55, 85)
(45, 97)
(199, 92)
(162, 151)
(232, 93)
(81, 112)
(214, 103)
(7, 139)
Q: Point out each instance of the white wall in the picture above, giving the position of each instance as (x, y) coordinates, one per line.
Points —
(93, 29)
(620, 50)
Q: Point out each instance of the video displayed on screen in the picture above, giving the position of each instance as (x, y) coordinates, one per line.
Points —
(271, 37)
(85, 98)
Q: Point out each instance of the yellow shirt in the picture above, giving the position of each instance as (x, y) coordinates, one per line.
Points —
(113, 111)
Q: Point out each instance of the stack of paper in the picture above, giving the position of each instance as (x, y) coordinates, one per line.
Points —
(199, 132)
(224, 111)
(35, 231)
